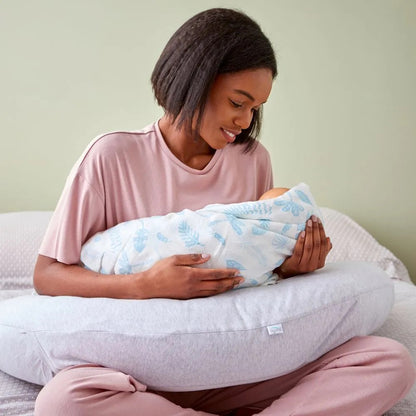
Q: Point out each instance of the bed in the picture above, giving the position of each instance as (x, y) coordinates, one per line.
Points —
(21, 233)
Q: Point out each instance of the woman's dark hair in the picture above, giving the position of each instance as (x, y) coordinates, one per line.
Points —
(212, 42)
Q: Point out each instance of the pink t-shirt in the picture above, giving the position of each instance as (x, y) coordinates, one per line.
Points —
(127, 175)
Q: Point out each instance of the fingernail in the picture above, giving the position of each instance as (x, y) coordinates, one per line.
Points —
(314, 218)
(204, 256)
(237, 273)
(302, 234)
(309, 223)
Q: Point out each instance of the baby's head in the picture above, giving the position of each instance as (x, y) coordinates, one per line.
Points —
(273, 193)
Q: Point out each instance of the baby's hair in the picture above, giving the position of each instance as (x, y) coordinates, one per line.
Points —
(213, 42)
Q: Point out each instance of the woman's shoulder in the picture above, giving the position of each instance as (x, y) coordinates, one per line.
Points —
(257, 153)
(120, 141)
(112, 145)
(112, 149)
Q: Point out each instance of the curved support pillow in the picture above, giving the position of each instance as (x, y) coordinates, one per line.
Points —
(234, 338)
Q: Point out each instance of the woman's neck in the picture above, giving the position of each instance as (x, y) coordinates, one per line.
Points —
(195, 153)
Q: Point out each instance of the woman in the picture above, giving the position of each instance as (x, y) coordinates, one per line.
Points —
(212, 79)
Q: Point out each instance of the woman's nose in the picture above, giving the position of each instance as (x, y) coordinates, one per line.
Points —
(244, 119)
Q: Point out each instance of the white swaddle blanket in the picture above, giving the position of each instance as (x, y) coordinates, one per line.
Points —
(254, 237)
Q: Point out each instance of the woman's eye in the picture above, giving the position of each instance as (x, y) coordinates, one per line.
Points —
(236, 105)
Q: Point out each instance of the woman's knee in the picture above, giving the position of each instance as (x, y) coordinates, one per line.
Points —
(63, 395)
(398, 363)
(56, 398)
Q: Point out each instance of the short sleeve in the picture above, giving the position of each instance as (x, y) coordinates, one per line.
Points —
(79, 214)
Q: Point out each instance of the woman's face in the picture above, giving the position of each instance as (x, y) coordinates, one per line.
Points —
(230, 105)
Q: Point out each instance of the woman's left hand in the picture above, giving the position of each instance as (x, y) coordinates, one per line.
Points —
(310, 250)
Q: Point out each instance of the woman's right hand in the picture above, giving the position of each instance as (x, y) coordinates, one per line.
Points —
(176, 277)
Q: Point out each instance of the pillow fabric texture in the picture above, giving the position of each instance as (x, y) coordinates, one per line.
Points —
(238, 337)
(254, 237)
(20, 237)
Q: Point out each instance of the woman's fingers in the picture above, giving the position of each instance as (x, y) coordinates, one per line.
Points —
(311, 249)
(189, 259)
(298, 250)
(206, 282)
(325, 245)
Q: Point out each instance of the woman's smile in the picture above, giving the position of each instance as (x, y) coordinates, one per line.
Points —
(230, 135)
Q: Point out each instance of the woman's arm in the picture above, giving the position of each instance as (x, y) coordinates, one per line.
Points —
(173, 277)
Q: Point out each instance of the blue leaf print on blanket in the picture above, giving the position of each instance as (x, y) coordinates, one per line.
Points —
(301, 227)
(188, 235)
(140, 240)
(162, 238)
(236, 224)
(303, 197)
(115, 239)
(291, 206)
(286, 228)
(234, 264)
(220, 238)
(261, 228)
(124, 264)
(279, 241)
(249, 208)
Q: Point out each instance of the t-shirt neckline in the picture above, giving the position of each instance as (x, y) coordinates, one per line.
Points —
(178, 162)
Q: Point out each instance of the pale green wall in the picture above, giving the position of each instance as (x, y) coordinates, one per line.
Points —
(341, 116)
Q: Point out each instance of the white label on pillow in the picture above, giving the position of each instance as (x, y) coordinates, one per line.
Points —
(275, 329)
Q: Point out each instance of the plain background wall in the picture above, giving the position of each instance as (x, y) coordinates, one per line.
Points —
(341, 116)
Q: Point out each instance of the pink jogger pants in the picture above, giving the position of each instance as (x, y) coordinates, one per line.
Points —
(365, 376)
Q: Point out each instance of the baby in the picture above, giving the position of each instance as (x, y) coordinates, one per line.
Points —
(254, 237)
(273, 193)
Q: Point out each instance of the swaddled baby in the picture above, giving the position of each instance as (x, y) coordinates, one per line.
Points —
(254, 237)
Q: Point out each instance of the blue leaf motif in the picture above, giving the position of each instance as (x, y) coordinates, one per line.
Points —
(188, 235)
(233, 264)
(220, 238)
(303, 197)
(115, 239)
(236, 224)
(140, 240)
(301, 227)
(262, 227)
(243, 209)
(124, 264)
(279, 241)
(258, 230)
(291, 206)
(286, 228)
(162, 238)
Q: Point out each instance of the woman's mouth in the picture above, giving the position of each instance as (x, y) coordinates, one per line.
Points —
(229, 135)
